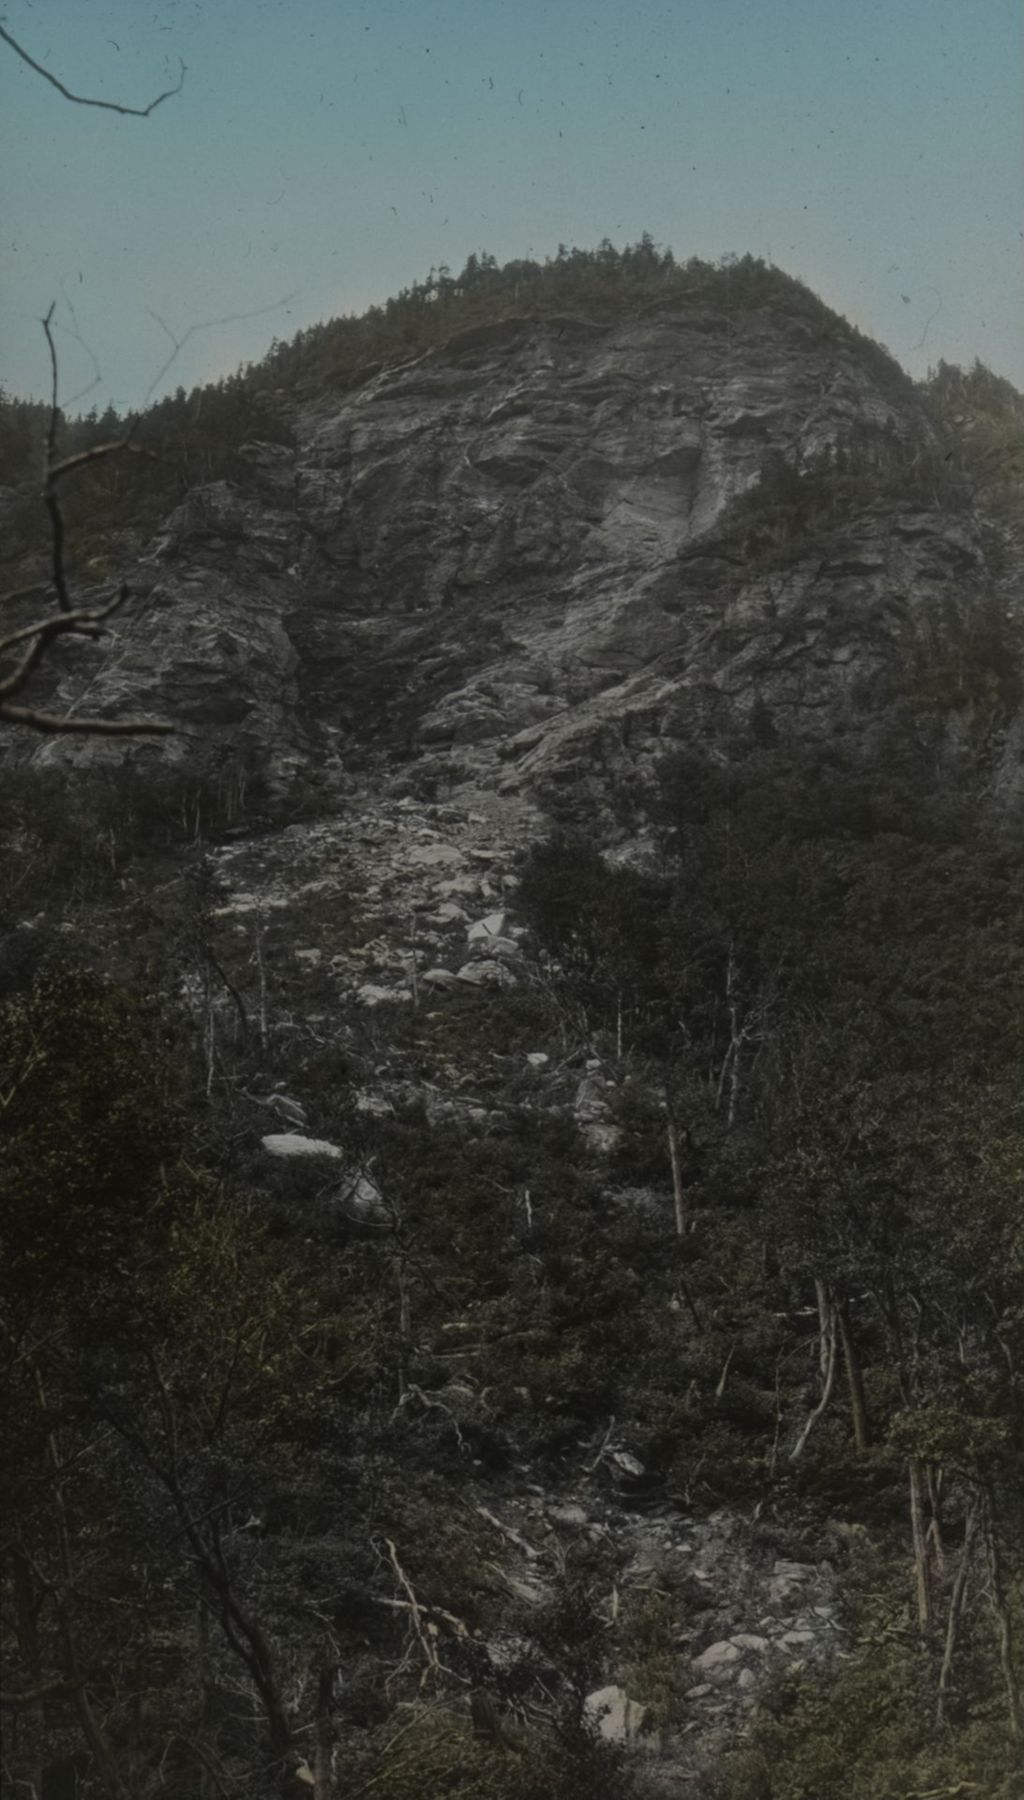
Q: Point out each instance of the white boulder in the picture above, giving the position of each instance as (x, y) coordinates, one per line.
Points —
(292, 1143)
(616, 1716)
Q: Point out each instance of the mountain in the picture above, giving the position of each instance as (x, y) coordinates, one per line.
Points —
(510, 1189)
(553, 542)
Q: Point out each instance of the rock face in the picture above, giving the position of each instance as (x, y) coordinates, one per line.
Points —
(505, 561)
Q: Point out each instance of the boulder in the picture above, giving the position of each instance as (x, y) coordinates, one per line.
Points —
(440, 978)
(377, 1105)
(492, 926)
(590, 1104)
(718, 1656)
(361, 1198)
(433, 856)
(291, 1143)
(617, 1717)
(486, 973)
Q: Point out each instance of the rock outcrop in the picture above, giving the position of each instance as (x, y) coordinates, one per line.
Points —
(512, 561)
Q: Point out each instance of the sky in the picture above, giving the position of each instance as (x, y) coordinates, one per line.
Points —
(323, 154)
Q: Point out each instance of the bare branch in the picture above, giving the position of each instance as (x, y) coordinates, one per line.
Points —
(119, 445)
(257, 312)
(68, 620)
(47, 722)
(83, 622)
(828, 1356)
(45, 1691)
(131, 112)
(424, 1633)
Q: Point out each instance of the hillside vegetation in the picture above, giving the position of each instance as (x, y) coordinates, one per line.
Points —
(461, 1261)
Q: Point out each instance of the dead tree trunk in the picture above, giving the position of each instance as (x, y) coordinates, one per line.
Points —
(854, 1379)
(922, 1586)
(682, 1216)
(1004, 1623)
(323, 1768)
(956, 1607)
(827, 1363)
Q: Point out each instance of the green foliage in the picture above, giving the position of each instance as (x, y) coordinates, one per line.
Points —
(793, 507)
(868, 1733)
(595, 285)
(87, 1119)
(601, 924)
(67, 846)
(435, 1754)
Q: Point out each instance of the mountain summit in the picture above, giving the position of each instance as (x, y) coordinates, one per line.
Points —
(528, 527)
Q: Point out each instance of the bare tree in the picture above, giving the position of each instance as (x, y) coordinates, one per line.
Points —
(25, 648)
(29, 645)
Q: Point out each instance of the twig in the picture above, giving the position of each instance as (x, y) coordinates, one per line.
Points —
(413, 1392)
(68, 620)
(826, 1391)
(131, 112)
(724, 1376)
(424, 1633)
(459, 1626)
(202, 325)
(506, 1531)
(603, 1446)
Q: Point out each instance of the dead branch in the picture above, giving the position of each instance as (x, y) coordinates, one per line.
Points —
(425, 1634)
(603, 1446)
(529, 1550)
(413, 1392)
(47, 1690)
(68, 620)
(130, 112)
(828, 1382)
(956, 1607)
(459, 1626)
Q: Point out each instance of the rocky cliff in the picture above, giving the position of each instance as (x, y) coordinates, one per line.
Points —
(549, 547)
(484, 586)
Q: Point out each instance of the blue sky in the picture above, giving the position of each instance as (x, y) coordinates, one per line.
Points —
(325, 153)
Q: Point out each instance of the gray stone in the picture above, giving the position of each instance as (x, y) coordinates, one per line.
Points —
(568, 1515)
(370, 995)
(590, 1103)
(486, 973)
(432, 856)
(600, 1139)
(617, 1717)
(376, 1104)
(291, 1143)
(492, 926)
(286, 1108)
(459, 884)
(440, 978)
(717, 1656)
(449, 913)
(361, 1198)
(626, 1463)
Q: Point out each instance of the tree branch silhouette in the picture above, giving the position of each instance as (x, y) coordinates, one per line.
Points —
(67, 620)
(131, 112)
